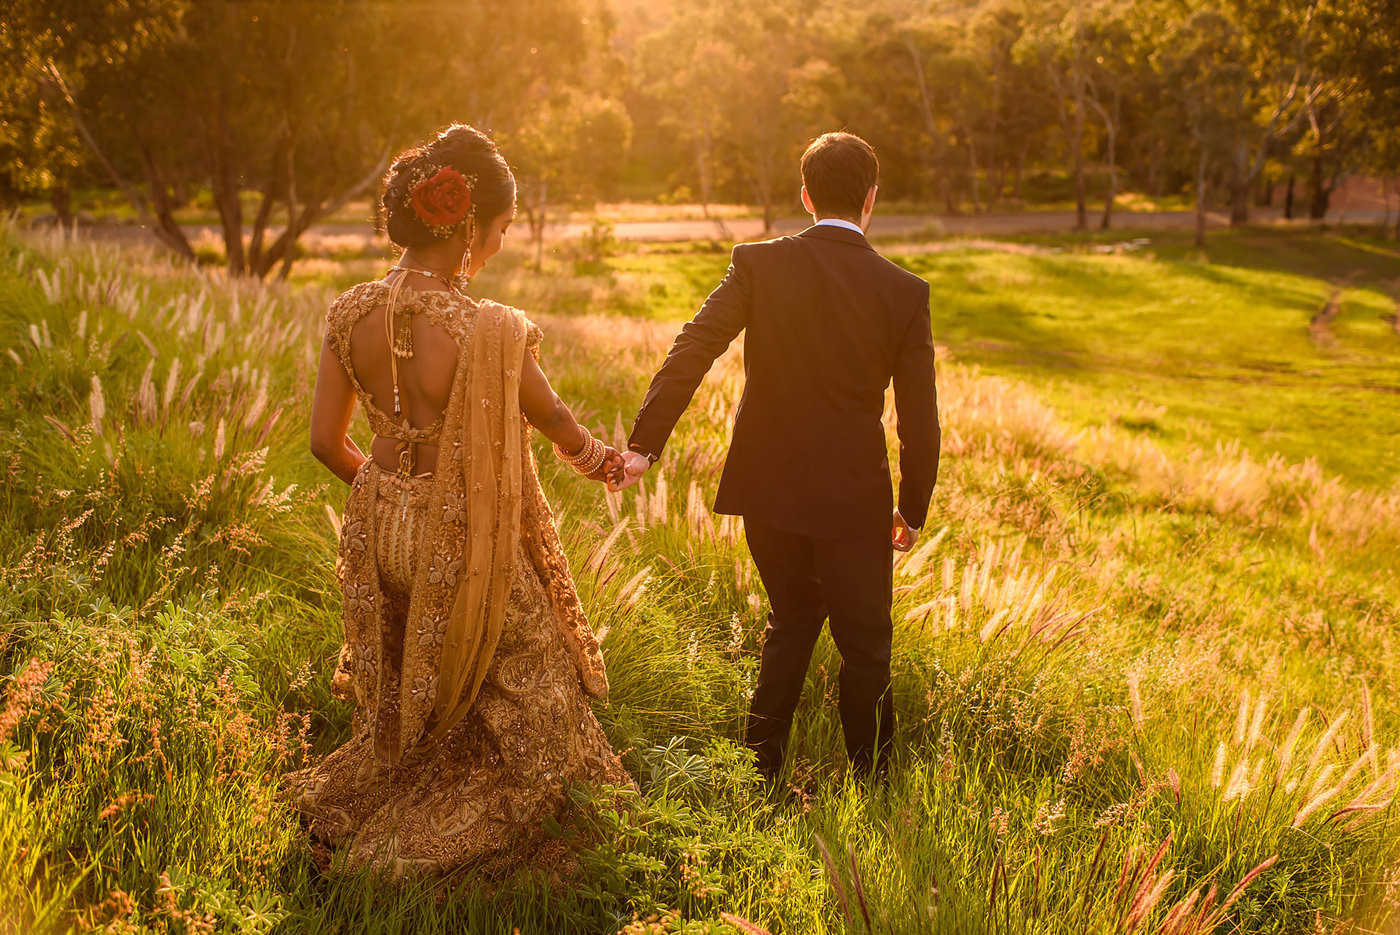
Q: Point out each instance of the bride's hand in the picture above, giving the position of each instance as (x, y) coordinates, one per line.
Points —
(635, 466)
(611, 470)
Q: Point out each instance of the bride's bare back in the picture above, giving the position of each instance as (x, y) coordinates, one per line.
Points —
(356, 363)
(425, 379)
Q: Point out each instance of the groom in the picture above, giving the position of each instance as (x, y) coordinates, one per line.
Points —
(830, 323)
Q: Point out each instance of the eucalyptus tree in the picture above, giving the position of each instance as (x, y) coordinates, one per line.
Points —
(289, 102)
(1277, 42)
(744, 87)
(566, 150)
(1055, 42)
(1015, 106)
(286, 111)
(685, 67)
(1203, 61)
(1361, 60)
(1116, 36)
(48, 49)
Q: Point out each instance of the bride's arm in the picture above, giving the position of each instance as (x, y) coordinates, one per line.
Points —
(551, 417)
(331, 409)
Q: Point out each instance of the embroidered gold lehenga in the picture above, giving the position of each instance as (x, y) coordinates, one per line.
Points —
(467, 653)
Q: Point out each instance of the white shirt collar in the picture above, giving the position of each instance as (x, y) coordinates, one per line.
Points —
(840, 222)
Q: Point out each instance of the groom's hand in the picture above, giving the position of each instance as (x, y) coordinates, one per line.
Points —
(903, 535)
(634, 466)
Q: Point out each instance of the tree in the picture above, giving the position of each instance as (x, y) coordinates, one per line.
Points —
(742, 87)
(1365, 35)
(284, 99)
(1058, 45)
(939, 71)
(1012, 107)
(1202, 61)
(570, 149)
(1115, 71)
(1275, 41)
(46, 48)
(776, 100)
(287, 110)
(684, 66)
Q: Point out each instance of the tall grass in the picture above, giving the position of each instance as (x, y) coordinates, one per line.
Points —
(1139, 688)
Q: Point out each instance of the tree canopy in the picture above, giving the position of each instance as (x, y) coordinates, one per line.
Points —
(283, 111)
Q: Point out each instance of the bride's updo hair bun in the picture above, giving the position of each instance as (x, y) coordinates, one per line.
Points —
(465, 149)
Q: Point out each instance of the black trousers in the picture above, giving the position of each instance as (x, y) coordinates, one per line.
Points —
(809, 579)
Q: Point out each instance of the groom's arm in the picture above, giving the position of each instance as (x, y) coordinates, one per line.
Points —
(916, 410)
(704, 338)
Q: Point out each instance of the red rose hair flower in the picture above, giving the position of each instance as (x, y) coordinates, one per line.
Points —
(442, 201)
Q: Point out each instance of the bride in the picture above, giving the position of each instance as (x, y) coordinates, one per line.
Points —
(467, 653)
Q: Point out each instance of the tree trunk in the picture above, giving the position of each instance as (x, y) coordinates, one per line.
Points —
(1110, 123)
(996, 184)
(224, 186)
(161, 211)
(289, 251)
(1020, 174)
(1201, 199)
(972, 164)
(1107, 220)
(1156, 172)
(264, 213)
(1393, 224)
(539, 231)
(61, 198)
(1264, 194)
(703, 169)
(1239, 203)
(1288, 199)
(1319, 192)
(1081, 192)
(163, 226)
(283, 249)
(1240, 184)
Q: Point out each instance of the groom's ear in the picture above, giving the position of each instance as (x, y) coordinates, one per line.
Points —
(869, 198)
(807, 201)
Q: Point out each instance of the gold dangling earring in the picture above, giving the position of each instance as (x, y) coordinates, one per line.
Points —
(464, 276)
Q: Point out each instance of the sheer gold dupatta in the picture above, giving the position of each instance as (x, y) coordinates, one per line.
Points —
(486, 475)
(464, 573)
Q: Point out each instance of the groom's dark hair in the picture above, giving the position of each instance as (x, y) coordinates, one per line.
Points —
(838, 170)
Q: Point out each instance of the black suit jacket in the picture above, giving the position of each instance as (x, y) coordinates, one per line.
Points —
(830, 322)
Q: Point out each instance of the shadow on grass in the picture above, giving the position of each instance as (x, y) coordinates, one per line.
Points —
(1323, 253)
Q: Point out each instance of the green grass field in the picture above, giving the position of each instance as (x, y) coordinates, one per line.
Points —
(1146, 655)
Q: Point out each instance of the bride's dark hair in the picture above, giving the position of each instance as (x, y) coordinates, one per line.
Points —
(465, 149)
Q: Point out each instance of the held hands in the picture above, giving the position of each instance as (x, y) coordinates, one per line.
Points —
(611, 470)
(634, 466)
(903, 535)
(593, 459)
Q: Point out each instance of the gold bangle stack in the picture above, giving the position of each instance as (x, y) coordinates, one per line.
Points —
(588, 459)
